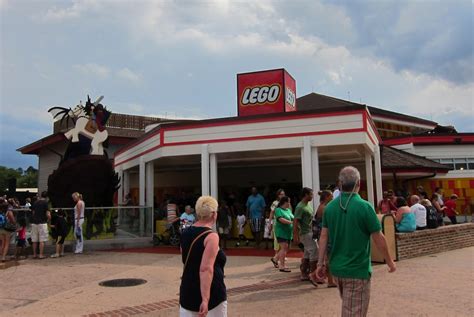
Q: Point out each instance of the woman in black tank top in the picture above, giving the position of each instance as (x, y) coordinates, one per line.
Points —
(202, 289)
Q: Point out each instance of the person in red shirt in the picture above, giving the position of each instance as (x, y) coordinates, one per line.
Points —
(21, 238)
(451, 209)
(386, 205)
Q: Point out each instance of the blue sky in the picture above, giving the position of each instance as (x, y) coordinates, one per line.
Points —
(180, 58)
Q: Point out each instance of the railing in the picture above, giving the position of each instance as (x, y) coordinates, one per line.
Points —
(105, 222)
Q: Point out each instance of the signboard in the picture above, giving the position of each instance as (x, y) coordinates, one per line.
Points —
(263, 92)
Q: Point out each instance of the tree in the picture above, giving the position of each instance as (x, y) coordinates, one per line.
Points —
(24, 178)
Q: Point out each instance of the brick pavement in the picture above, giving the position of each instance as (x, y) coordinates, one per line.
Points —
(173, 303)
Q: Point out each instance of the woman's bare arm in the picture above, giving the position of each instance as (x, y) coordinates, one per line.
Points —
(285, 221)
(206, 270)
(398, 216)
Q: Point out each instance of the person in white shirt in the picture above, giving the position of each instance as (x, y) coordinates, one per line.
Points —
(336, 191)
(420, 212)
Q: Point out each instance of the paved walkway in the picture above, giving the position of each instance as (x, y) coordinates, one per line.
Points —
(439, 285)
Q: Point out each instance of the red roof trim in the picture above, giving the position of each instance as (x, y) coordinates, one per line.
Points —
(231, 121)
(432, 139)
(415, 170)
(35, 147)
(262, 137)
(138, 141)
(204, 124)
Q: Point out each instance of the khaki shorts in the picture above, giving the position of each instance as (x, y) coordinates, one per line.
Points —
(39, 232)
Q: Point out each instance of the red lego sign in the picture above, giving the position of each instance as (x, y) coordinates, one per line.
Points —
(263, 92)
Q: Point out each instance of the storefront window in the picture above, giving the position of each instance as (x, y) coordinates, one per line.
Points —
(458, 163)
(470, 164)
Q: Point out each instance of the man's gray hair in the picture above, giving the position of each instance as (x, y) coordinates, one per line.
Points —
(349, 176)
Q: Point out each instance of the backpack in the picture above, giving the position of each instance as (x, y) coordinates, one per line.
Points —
(431, 217)
(3, 221)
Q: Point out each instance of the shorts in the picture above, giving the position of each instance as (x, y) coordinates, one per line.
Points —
(21, 243)
(222, 230)
(218, 311)
(242, 229)
(60, 240)
(310, 247)
(282, 240)
(355, 295)
(256, 224)
(8, 233)
(39, 232)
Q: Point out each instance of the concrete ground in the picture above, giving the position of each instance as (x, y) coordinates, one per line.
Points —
(437, 285)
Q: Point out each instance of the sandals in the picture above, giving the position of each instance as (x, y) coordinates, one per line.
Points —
(275, 263)
(285, 270)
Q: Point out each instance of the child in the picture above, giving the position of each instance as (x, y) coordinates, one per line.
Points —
(268, 233)
(21, 239)
(241, 221)
(451, 208)
(61, 231)
(223, 223)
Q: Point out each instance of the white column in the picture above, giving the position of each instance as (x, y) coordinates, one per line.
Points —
(146, 216)
(141, 182)
(369, 178)
(214, 182)
(315, 176)
(126, 183)
(120, 190)
(378, 173)
(306, 164)
(141, 194)
(205, 170)
(150, 183)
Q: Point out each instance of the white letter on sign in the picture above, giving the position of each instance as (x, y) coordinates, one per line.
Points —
(253, 95)
(262, 94)
(290, 97)
(245, 96)
(274, 93)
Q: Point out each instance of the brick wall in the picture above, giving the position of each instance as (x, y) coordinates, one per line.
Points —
(431, 241)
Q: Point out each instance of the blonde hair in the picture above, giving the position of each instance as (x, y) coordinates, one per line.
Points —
(425, 202)
(205, 205)
(78, 195)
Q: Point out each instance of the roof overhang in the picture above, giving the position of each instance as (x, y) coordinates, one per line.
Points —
(35, 147)
(432, 139)
(341, 126)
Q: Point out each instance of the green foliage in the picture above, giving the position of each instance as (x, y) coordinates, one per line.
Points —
(24, 178)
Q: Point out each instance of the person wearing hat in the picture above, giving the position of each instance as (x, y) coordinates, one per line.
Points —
(451, 208)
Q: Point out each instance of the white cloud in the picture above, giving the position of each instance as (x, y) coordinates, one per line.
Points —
(129, 75)
(76, 10)
(93, 69)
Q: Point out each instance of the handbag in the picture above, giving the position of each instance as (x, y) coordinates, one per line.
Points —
(191, 247)
(10, 227)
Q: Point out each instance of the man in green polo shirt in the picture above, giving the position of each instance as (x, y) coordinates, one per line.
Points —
(302, 232)
(348, 224)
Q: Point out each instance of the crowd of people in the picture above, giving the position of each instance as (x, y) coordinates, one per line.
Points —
(335, 241)
(417, 211)
(43, 223)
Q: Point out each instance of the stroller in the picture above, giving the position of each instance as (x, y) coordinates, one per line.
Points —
(171, 236)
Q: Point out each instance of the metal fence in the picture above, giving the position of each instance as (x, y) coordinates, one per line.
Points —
(104, 222)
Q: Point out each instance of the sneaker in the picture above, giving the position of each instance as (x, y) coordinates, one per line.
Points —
(247, 243)
(55, 255)
(77, 252)
(61, 255)
(237, 244)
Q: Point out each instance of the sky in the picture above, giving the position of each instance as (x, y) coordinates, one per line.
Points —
(180, 58)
